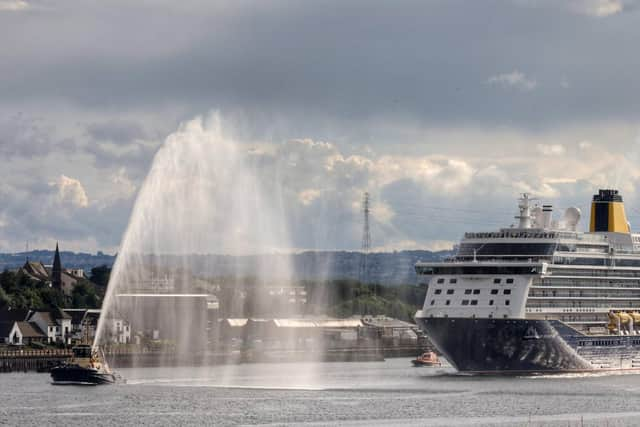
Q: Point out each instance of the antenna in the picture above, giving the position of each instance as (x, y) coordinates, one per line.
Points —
(366, 232)
(366, 237)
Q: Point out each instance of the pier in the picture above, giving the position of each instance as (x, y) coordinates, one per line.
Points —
(32, 360)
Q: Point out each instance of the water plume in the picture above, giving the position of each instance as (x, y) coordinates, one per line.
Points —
(203, 195)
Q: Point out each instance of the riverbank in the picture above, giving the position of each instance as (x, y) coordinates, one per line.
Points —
(24, 360)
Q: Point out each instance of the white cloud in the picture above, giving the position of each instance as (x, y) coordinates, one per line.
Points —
(382, 212)
(599, 8)
(70, 191)
(595, 8)
(585, 145)
(307, 197)
(13, 5)
(550, 149)
(123, 186)
(514, 79)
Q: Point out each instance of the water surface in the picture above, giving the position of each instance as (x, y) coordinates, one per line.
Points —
(358, 394)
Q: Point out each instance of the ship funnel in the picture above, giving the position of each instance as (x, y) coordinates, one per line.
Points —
(607, 213)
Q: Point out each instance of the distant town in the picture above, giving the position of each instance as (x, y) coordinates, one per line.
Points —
(389, 268)
(52, 300)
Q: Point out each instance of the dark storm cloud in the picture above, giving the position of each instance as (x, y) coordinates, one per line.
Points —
(428, 60)
(425, 104)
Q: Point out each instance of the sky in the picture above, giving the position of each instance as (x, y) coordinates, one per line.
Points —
(444, 111)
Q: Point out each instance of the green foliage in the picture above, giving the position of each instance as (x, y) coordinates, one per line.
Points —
(100, 276)
(345, 298)
(84, 295)
(4, 298)
(23, 292)
(19, 291)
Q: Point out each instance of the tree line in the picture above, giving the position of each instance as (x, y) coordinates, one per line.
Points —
(19, 291)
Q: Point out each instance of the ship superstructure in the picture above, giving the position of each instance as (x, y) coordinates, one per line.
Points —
(541, 295)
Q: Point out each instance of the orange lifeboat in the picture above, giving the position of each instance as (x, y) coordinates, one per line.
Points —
(427, 359)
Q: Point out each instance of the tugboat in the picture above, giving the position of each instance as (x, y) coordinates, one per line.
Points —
(87, 367)
(427, 359)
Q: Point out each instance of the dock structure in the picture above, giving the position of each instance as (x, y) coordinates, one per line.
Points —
(32, 360)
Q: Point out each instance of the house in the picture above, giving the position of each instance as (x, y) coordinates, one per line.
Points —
(84, 324)
(54, 275)
(119, 331)
(55, 324)
(20, 333)
(14, 329)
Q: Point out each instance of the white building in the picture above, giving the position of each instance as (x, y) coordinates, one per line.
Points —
(56, 325)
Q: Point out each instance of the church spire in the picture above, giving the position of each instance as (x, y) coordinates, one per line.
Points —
(56, 271)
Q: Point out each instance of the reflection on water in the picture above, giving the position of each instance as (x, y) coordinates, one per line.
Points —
(358, 394)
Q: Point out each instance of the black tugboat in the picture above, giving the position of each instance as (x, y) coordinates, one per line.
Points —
(87, 367)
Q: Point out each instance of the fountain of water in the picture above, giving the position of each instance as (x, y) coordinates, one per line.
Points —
(201, 196)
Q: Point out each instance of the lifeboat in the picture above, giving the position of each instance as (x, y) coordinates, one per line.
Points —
(625, 318)
(427, 359)
(613, 323)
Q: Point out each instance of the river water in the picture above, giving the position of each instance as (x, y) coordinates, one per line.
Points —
(332, 394)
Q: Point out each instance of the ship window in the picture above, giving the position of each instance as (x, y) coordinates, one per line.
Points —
(497, 280)
(474, 302)
(440, 280)
(467, 291)
(448, 302)
(490, 302)
(494, 292)
(507, 291)
(453, 280)
(433, 301)
(450, 291)
(438, 291)
(507, 302)
(465, 302)
(476, 291)
(509, 280)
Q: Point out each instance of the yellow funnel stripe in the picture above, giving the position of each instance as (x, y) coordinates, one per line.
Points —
(617, 218)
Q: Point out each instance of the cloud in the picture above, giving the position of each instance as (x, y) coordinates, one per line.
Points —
(600, 8)
(514, 79)
(70, 191)
(585, 145)
(306, 197)
(593, 8)
(550, 149)
(417, 119)
(31, 137)
(13, 5)
(417, 199)
(116, 130)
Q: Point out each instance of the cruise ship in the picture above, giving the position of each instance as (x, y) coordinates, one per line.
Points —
(539, 296)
